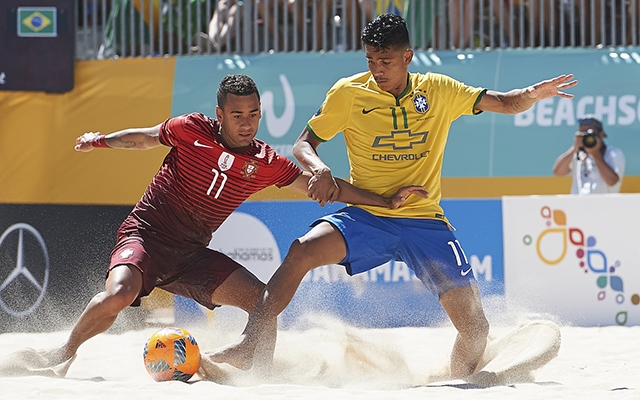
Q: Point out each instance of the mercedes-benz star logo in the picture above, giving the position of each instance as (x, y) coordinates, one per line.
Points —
(22, 266)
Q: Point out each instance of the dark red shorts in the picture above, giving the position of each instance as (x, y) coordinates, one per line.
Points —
(193, 273)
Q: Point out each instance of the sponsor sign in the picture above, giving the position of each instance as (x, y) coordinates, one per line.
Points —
(574, 257)
(25, 273)
(53, 260)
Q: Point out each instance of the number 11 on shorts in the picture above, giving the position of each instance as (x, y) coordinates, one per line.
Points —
(455, 245)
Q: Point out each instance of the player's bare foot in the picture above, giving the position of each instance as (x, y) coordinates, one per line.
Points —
(238, 355)
(27, 361)
(56, 356)
(61, 369)
(210, 371)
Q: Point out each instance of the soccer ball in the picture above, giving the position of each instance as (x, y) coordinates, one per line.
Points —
(171, 354)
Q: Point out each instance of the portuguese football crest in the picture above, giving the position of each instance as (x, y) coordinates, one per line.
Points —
(249, 168)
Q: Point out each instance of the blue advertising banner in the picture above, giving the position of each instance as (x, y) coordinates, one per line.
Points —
(390, 295)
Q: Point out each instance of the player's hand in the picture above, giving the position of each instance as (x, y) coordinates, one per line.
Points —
(83, 143)
(552, 87)
(403, 194)
(323, 188)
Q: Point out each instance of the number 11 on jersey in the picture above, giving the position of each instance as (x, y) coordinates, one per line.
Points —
(217, 175)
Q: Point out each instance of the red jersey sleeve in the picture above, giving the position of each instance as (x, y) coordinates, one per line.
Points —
(176, 129)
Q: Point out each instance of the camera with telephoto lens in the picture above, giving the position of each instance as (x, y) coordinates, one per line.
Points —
(590, 138)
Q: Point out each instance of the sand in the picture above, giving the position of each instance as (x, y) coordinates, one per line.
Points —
(330, 360)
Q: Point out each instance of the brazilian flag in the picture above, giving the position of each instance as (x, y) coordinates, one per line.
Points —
(37, 21)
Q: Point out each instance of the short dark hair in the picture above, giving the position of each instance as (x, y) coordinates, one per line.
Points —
(386, 31)
(239, 85)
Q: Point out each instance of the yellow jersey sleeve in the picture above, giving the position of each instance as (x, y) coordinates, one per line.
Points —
(333, 116)
(461, 98)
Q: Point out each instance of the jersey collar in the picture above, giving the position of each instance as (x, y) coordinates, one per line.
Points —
(407, 88)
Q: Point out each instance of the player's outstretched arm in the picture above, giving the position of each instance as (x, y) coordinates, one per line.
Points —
(133, 139)
(353, 195)
(519, 100)
(322, 187)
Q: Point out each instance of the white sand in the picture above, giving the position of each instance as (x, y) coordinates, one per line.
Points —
(319, 363)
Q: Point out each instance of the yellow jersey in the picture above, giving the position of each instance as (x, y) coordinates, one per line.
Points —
(394, 142)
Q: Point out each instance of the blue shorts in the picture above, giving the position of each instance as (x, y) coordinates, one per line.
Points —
(427, 246)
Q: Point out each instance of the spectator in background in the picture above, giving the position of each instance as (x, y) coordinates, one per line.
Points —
(318, 21)
(595, 167)
(311, 19)
(466, 26)
(461, 25)
(222, 25)
(227, 21)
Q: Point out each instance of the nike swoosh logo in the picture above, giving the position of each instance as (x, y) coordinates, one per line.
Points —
(365, 111)
(464, 273)
(198, 144)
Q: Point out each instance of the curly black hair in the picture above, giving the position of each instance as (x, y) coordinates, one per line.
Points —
(239, 85)
(385, 32)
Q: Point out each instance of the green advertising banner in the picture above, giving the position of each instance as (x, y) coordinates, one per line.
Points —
(37, 22)
(293, 87)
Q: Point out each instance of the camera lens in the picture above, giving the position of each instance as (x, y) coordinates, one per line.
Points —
(589, 138)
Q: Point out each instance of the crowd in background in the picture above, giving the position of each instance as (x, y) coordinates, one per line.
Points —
(108, 28)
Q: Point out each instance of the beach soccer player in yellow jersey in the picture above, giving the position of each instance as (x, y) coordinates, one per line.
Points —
(395, 126)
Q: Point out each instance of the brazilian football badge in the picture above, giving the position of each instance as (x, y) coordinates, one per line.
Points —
(249, 168)
(420, 103)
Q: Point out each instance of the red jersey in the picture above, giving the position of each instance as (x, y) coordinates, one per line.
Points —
(201, 182)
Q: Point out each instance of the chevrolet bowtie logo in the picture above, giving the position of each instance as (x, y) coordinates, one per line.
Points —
(401, 140)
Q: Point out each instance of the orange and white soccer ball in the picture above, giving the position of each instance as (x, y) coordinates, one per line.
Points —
(171, 354)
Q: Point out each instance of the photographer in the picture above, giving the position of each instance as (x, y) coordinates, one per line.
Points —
(596, 167)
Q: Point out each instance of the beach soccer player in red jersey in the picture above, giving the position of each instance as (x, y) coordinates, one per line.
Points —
(212, 167)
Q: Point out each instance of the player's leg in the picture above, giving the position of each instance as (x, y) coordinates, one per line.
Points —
(122, 287)
(322, 245)
(213, 279)
(464, 308)
(431, 249)
(243, 289)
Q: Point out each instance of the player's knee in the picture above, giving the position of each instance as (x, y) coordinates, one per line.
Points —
(479, 328)
(475, 328)
(119, 297)
(299, 252)
(482, 328)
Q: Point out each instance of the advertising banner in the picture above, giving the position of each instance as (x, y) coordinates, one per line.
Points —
(293, 86)
(258, 236)
(53, 260)
(575, 257)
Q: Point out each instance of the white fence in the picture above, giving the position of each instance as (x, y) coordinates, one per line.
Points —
(134, 28)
